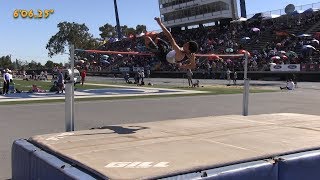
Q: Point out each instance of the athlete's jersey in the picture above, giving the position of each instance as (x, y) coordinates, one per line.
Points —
(171, 57)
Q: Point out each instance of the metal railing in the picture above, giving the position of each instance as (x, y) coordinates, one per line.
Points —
(282, 11)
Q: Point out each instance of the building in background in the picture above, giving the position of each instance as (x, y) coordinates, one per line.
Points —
(183, 13)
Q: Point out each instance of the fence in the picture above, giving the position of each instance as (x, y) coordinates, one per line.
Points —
(282, 11)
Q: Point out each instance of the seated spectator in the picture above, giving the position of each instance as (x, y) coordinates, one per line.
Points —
(127, 77)
(289, 86)
(35, 89)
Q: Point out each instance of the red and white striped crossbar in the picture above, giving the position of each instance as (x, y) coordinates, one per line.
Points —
(215, 56)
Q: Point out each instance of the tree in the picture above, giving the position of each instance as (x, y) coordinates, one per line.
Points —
(5, 62)
(49, 64)
(124, 29)
(70, 33)
(33, 65)
(129, 31)
(107, 31)
(18, 64)
(140, 29)
(39, 66)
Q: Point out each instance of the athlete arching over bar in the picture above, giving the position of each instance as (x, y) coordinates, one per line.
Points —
(175, 55)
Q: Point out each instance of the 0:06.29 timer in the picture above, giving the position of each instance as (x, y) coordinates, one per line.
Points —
(32, 14)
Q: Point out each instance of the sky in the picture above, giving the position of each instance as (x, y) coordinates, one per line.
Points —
(26, 39)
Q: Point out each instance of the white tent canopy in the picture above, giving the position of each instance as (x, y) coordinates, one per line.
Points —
(241, 19)
(272, 16)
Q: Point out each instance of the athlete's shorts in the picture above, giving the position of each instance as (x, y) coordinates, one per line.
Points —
(161, 49)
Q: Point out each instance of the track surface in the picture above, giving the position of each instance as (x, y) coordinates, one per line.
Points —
(23, 121)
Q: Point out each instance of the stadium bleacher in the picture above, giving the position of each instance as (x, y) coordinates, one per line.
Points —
(287, 39)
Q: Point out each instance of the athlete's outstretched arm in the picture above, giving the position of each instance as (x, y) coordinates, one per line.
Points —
(168, 34)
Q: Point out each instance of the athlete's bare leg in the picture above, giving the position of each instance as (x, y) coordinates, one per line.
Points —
(150, 44)
(147, 41)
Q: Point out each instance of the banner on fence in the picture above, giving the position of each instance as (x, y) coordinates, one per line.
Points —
(310, 67)
(285, 67)
(135, 69)
(124, 69)
(115, 69)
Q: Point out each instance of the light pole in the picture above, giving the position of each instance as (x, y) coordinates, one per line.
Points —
(243, 8)
(117, 19)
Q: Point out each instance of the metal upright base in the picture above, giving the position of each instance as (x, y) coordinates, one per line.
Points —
(246, 89)
(69, 95)
(69, 106)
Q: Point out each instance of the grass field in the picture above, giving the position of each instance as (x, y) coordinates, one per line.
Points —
(209, 90)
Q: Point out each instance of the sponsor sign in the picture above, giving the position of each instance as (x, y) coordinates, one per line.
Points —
(137, 165)
(135, 69)
(124, 69)
(312, 67)
(303, 67)
(115, 69)
(59, 136)
(285, 67)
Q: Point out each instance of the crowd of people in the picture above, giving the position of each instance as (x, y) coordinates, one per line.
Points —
(282, 47)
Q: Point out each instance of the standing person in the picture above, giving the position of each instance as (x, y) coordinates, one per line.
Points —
(11, 88)
(24, 74)
(46, 75)
(189, 76)
(54, 71)
(177, 54)
(235, 76)
(10, 75)
(142, 76)
(295, 80)
(34, 75)
(60, 81)
(148, 73)
(41, 74)
(83, 76)
(228, 76)
(6, 82)
(137, 77)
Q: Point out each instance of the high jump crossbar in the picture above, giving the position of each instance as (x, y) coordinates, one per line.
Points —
(151, 54)
(69, 96)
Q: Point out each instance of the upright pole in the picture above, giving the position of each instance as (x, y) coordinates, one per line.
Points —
(72, 85)
(246, 87)
(243, 8)
(69, 95)
(117, 19)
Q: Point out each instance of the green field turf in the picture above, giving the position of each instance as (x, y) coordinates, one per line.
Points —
(208, 90)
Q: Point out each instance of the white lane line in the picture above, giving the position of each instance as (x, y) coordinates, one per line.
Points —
(83, 96)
